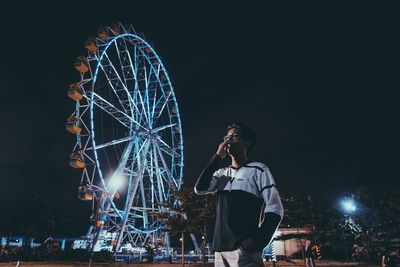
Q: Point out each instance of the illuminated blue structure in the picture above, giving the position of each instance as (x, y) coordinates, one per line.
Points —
(129, 142)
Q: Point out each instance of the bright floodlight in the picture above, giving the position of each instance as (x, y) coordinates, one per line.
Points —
(115, 182)
(349, 205)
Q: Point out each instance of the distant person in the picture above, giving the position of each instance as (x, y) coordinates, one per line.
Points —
(249, 209)
(390, 259)
(308, 256)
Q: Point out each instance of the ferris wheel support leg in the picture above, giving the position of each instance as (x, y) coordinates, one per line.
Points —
(145, 219)
(171, 179)
(196, 245)
(132, 196)
(167, 245)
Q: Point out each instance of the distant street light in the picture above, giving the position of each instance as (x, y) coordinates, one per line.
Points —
(348, 205)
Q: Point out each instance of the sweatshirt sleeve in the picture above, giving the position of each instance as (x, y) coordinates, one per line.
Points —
(269, 192)
(207, 181)
(272, 212)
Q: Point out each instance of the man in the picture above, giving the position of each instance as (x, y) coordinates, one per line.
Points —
(249, 208)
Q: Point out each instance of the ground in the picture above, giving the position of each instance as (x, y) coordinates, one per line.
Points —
(294, 263)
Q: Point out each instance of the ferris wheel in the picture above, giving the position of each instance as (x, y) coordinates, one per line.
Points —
(129, 143)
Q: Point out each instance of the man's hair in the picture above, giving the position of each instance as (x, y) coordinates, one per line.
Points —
(245, 132)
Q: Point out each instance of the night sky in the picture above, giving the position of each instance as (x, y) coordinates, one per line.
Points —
(319, 84)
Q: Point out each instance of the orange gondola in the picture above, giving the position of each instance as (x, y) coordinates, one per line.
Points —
(75, 92)
(73, 125)
(81, 64)
(76, 160)
(102, 33)
(85, 192)
(91, 45)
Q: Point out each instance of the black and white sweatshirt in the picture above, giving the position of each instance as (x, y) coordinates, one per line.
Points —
(246, 198)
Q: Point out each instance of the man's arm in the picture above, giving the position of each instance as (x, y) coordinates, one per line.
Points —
(207, 181)
(263, 235)
(267, 230)
(272, 212)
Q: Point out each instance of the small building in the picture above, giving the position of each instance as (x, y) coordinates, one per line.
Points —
(286, 247)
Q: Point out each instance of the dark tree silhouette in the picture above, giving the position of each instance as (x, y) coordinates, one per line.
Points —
(186, 215)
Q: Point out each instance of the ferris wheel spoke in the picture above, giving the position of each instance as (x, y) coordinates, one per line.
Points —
(117, 114)
(151, 172)
(153, 87)
(125, 63)
(113, 80)
(138, 94)
(160, 128)
(129, 73)
(153, 107)
(160, 106)
(143, 188)
(131, 167)
(138, 78)
(161, 190)
(155, 95)
(120, 89)
(147, 80)
(143, 107)
(166, 148)
(138, 113)
(141, 77)
(171, 181)
(113, 142)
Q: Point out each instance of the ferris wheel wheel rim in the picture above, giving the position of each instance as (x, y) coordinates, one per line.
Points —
(113, 40)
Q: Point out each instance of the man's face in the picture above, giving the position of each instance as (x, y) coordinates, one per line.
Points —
(236, 144)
